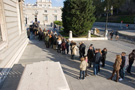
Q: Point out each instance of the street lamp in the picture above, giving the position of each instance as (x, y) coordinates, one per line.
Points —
(107, 10)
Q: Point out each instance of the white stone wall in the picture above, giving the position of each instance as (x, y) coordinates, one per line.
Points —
(14, 36)
(30, 11)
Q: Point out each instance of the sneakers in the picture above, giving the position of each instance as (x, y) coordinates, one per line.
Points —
(120, 79)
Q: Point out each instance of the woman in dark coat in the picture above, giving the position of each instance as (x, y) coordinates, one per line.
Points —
(104, 53)
(90, 55)
(63, 45)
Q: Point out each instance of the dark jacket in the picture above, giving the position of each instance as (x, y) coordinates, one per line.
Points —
(97, 58)
(104, 54)
(54, 40)
(131, 57)
(90, 54)
(63, 45)
(123, 61)
(67, 44)
(82, 48)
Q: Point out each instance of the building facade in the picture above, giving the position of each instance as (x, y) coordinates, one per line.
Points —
(13, 36)
(42, 12)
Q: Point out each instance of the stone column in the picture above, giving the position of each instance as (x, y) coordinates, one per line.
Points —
(95, 31)
(70, 34)
(106, 33)
(89, 34)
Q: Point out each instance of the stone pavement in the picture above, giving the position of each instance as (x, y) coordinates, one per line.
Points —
(36, 52)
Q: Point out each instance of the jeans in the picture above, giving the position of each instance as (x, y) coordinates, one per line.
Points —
(72, 56)
(67, 49)
(82, 73)
(95, 68)
(122, 72)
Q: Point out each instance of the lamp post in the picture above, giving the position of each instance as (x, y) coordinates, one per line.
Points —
(107, 10)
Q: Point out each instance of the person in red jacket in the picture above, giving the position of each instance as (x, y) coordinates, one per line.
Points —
(63, 45)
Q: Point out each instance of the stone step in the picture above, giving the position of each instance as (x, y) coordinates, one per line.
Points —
(45, 75)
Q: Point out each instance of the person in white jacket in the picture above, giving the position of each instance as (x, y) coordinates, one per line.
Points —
(83, 67)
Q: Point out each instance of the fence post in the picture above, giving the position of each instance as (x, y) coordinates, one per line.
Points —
(70, 34)
(89, 34)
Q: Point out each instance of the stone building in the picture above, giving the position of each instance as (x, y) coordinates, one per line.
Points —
(42, 12)
(13, 36)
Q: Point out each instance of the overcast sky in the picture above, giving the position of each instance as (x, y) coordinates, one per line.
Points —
(55, 3)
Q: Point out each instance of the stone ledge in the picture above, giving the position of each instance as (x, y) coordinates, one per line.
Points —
(89, 39)
(44, 75)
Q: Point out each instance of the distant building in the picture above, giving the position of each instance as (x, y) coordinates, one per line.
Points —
(42, 12)
(13, 37)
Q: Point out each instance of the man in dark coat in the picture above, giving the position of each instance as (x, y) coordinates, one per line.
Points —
(96, 61)
(131, 61)
(90, 55)
(82, 49)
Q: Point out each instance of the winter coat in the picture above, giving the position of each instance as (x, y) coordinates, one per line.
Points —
(104, 54)
(82, 48)
(117, 64)
(97, 58)
(74, 49)
(90, 54)
(83, 65)
(63, 46)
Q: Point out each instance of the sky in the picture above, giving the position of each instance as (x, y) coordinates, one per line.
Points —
(55, 3)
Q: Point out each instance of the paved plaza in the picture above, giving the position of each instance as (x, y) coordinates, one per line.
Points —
(36, 52)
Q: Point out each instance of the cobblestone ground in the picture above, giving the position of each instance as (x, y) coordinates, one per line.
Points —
(36, 52)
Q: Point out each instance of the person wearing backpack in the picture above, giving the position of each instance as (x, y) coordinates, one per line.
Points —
(116, 68)
(96, 61)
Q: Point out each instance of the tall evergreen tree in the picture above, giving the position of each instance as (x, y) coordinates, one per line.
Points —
(78, 16)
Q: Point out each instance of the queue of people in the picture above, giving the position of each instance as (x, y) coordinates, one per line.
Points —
(93, 57)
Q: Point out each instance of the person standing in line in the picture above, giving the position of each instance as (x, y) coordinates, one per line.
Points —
(71, 46)
(83, 67)
(116, 68)
(131, 61)
(63, 45)
(59, 41)
(97, 59)
(86, 59)
(100, 60)
(90, 54)
(91, 45)
(74, 50)
(123, 66)
(104, 53)
(54, 41)
(40, 34)
(47, 41)
(67, 46)
(28, 33)
(82, 49)
(116, 35)
(111, 35)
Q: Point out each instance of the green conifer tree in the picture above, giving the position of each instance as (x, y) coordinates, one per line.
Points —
(78, 16)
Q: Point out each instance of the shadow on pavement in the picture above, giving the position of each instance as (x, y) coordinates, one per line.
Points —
(13, 78)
